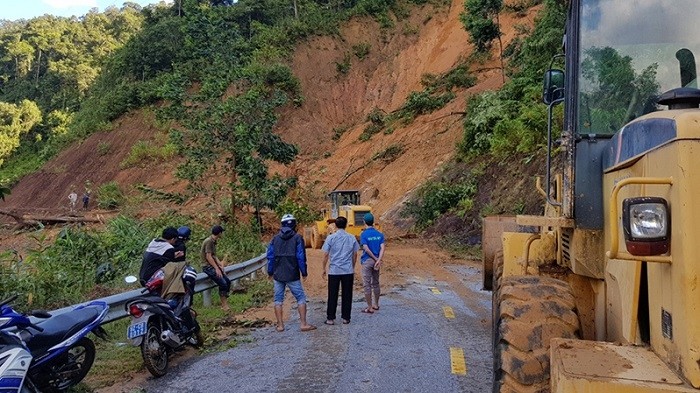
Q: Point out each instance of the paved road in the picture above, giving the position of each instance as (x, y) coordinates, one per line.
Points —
(412, 344)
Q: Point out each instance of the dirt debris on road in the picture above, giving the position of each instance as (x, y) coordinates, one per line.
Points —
(406, 261)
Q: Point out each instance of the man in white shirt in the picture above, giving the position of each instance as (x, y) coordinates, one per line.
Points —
(340, 249)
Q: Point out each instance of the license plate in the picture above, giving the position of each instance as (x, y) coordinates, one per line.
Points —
(136, 330)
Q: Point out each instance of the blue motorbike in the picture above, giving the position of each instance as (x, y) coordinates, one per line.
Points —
(52, 354)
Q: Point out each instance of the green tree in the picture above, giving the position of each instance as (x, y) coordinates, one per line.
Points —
(480, 19)
(16, 120)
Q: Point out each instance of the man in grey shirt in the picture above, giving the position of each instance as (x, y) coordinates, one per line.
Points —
(340, 249)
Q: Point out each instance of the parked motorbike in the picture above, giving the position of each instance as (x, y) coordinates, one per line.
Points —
(51, 355)
(161, 326)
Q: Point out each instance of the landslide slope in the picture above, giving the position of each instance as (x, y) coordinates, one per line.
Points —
(431, 40)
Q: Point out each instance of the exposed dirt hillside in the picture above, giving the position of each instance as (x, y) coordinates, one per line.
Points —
(432, 40)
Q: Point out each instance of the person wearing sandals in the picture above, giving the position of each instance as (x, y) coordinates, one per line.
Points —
(340, 249)
(372, 242)
(286, 264)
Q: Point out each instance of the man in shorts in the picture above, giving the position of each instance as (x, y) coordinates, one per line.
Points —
(286, 264)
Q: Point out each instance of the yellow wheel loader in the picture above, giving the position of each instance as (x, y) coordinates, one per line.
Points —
(343, 203)
(602, 292)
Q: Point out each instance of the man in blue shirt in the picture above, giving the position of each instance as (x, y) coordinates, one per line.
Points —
(372, 242)
(340, 249)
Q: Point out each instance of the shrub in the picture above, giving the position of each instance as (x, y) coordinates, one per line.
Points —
(339, 131)
(423, 102)
(390, 154)
(361, 50)
(344, 66)
(436, 198)
(109, 196)
(301, 210)
(377, 119)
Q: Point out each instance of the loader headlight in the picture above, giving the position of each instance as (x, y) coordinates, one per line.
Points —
(647, 225)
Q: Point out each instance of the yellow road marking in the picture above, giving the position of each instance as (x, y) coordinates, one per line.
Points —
(435, 290)
(449, 313)
(459, 366)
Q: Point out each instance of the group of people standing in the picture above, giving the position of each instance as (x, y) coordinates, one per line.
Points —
(286, 265)
(286, 255)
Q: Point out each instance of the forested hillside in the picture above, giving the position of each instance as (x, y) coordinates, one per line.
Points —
(430, 108)
(47, 65)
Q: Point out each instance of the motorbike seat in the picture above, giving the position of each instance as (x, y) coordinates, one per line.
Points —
(58, 328)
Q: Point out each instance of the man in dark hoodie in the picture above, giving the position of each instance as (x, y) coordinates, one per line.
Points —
(160, 252)
(286, 264)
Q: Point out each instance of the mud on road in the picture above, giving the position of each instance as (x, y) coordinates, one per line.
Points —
(432, 332)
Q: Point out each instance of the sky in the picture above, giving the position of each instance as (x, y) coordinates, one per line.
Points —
(27, 9)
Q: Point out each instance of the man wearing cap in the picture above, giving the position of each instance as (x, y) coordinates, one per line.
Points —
(160, 252)
(372, 242)
(286, 264)
(212, 266)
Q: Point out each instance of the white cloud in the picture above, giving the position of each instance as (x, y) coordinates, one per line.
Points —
(70, 3)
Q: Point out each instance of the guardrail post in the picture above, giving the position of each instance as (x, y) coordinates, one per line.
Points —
(254, 275)
(206, 297)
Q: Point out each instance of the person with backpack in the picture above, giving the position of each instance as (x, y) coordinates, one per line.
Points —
(160, 252)
(286, 265)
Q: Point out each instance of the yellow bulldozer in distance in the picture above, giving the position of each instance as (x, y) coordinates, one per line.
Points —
(602, 292)
(343, 203)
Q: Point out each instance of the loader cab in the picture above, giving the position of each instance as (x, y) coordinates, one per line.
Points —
(339, 199)
(619, 59)
(630, 135)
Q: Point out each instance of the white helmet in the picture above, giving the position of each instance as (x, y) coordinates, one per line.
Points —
(288, 220)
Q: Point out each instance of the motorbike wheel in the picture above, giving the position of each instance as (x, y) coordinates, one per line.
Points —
(72, 367)
(154, 352)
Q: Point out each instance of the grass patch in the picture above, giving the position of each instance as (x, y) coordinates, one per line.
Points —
(19, 165)
(143, 152)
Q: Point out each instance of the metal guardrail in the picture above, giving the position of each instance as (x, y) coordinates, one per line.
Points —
(116, 302)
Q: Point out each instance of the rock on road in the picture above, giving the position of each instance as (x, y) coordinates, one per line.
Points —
(432, 333)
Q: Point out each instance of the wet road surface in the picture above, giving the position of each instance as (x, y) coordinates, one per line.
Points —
(428, 336)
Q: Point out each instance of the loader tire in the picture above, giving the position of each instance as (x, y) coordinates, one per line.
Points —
(531, 311)
(496, 278)
(316, 241)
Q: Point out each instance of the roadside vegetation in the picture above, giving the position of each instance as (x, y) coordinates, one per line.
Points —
(85, 263)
